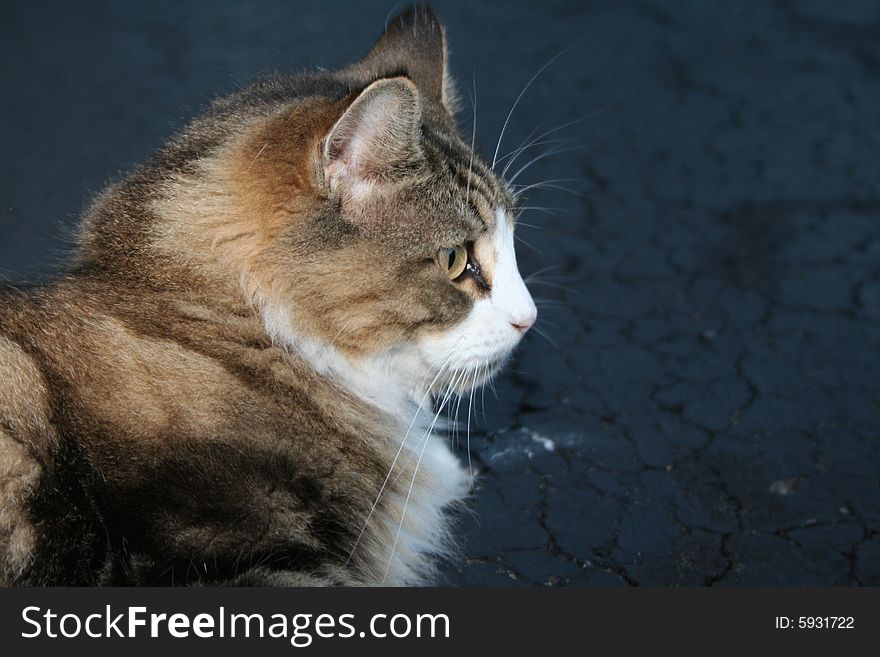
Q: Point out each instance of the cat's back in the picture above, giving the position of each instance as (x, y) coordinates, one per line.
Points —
(98, 353)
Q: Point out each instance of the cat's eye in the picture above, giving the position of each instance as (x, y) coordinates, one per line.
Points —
(452, 261)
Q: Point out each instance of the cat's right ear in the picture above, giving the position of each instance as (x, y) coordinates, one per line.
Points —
(375, 137)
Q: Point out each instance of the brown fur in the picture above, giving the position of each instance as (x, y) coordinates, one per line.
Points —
(150, 429)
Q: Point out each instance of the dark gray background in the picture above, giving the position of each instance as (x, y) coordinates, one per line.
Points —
(709, 410)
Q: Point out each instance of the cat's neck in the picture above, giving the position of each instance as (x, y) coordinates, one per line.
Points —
(388, 382)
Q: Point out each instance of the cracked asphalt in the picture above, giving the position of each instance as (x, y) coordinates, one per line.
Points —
(704, 409)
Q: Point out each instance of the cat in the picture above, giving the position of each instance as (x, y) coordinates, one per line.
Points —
(236, 380)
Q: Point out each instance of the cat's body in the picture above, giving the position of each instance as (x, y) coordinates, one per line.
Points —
(234, 382)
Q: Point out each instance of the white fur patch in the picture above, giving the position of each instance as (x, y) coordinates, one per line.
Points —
(412, 525)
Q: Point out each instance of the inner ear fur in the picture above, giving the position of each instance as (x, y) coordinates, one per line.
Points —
(376, 136)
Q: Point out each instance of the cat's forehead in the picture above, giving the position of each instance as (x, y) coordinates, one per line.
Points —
(444, 210)
(459, 163)
(421, 219)
(470, 188)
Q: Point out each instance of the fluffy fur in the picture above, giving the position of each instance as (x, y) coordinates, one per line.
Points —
(236, 380)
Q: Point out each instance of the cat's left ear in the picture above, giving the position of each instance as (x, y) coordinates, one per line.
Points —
(414, 44)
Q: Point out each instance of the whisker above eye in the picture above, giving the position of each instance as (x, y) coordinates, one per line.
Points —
(549, 153)
(549, 184)
(519, 188)
(516, 152)
(547, 209)
(542, 138)
(473, 136)
(522, 93)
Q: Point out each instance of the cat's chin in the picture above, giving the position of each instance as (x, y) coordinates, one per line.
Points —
(465, 380)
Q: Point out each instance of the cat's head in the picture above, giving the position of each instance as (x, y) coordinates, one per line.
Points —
(355, 216)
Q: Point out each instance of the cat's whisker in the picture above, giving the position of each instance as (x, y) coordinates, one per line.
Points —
(549, 153)
(525, 225)
(460, 395)
(470, 405)
(544, 335)
(491, 384)
(522, 241)
(549, 209)
(541, 281)
(452, 417)
(518, 151)
(549, 185)
(453, 413)
(473, 137)
(527, 142)
(554, 180)
(452, 425)
(484, 370)
(260, 152)
(542, 138)
(533, 144)
(427, 438)
(522, 93)
(340, 331)
(521, 188)
(535, 274)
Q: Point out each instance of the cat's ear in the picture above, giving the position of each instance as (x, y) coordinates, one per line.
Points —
(414, 44)
(376, 136)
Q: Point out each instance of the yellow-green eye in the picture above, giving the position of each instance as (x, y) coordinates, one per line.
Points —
(452, 261)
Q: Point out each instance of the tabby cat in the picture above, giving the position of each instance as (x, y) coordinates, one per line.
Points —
(236, 379)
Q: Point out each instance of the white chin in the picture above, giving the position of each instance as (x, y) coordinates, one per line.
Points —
(463, 380)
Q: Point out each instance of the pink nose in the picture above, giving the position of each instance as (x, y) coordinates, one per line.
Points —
(524, 323)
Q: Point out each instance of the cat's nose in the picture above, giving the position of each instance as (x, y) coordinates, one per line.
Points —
(525, 321)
